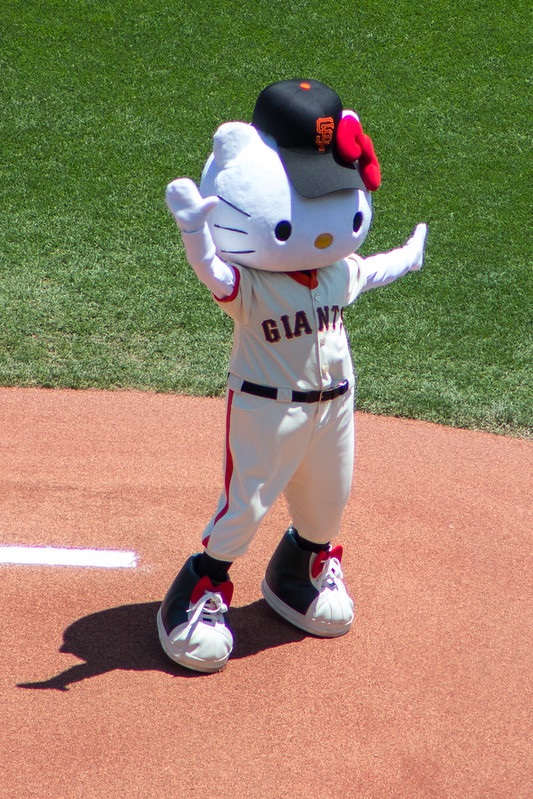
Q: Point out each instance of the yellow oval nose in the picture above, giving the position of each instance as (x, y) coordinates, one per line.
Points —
(323, 241)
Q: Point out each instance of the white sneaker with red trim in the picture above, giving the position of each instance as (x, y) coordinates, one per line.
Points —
(191, 624)
(307, 589)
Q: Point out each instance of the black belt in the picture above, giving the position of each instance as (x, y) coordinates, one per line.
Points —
(297, 396)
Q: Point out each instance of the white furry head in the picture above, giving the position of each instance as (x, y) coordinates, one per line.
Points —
(262, 222)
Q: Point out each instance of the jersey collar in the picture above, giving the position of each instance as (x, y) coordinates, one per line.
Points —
(307, 277)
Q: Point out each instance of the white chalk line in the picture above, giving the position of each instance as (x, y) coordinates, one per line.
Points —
(64, 556)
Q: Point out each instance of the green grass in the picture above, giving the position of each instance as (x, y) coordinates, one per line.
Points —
(102, 103)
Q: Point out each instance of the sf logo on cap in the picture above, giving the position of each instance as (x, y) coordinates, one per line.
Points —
(324, 132)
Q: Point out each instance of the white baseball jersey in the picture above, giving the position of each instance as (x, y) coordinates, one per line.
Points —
(289, 327)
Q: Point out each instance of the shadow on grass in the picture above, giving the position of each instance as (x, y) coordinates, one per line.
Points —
(126, 638)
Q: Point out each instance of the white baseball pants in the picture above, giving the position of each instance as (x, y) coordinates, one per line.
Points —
(305, 451)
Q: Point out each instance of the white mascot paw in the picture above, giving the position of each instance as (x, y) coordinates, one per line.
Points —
(416, 245)
(187, 206)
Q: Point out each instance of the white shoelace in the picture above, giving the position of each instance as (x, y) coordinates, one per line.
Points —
(209, 609)
(331, 573)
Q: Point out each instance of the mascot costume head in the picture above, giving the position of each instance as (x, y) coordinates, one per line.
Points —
(294, 186)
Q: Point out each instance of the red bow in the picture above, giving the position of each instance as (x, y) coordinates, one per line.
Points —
(354, 145)
(323, 557)
(204, 584)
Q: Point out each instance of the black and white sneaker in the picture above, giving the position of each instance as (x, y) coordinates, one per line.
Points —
(306, 588)
(191, 624)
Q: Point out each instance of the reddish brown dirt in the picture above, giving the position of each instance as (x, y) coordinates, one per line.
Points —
(428, 696)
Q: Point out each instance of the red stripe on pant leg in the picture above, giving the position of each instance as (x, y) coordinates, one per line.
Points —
(229, 459)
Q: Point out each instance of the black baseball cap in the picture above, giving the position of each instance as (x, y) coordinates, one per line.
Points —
(302, 116)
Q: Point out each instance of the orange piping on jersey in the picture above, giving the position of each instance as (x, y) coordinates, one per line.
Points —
(235, 291)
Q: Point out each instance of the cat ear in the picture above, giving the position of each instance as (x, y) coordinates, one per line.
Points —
(230, 139)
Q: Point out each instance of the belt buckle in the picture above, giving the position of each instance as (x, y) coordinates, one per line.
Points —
(326, 394)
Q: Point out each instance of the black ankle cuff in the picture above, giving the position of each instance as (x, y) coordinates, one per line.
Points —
(216, 570)
(309, 546)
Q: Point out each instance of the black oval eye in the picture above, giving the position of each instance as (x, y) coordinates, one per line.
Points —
(283, 230)
(357, 221)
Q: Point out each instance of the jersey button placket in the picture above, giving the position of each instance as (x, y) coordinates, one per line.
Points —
(324, 375)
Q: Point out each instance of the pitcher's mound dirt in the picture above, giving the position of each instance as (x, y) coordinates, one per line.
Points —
(429, 696)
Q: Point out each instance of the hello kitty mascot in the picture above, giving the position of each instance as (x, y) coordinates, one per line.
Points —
(283, 205)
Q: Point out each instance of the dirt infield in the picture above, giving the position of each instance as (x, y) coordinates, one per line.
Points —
(429, 696)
